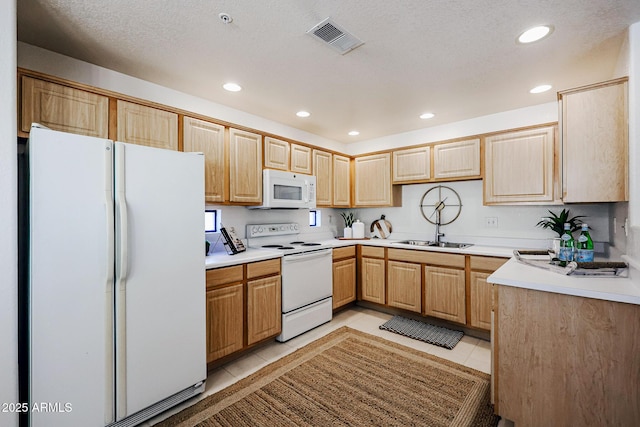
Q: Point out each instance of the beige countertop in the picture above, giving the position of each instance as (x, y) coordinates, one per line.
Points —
(517, 274)
(222, 259)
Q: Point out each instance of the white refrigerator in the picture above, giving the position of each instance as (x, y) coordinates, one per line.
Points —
(116, 280)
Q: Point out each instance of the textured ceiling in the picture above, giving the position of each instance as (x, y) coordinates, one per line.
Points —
(455, 58)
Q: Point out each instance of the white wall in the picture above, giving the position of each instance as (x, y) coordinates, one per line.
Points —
(8, 207)
(516, 224)
(37, 59)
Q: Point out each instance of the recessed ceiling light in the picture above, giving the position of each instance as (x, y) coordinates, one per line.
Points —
(303, 114)
(540, 89)
(534, 34)
(427, 116)
(354, 133)
(232, 87)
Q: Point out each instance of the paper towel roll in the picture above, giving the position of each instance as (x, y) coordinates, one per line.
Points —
(358, 229)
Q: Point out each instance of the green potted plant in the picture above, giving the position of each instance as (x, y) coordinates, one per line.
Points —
(556, 222)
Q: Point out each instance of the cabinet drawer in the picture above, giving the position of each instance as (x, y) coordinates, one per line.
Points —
(263, 268)
(373, 252)
(486, 263)
(426, 257)
(346, 252)
(221, 276)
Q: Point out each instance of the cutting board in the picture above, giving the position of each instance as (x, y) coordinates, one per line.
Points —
(380, 228)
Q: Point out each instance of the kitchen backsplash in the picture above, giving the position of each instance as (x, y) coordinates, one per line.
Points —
(516, 225)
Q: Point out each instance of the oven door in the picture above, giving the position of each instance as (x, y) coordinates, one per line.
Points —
(306, 278)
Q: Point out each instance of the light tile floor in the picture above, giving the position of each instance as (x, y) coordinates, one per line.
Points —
(472, 352)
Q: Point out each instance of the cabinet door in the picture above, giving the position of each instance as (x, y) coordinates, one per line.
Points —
(372, 276)
(595, 143)
(344, 282)
(404, 284)
(225, 322)
(481, 294)
(445, 293)
(276, 154)
(412, 165)
(519, 167)
(142, 125)
(373, 180)
(245, 167)
(63, 108)
(264, 309)
(208, 138)
(341, 181)
(300, 159)
(322, 163)
(460, 159)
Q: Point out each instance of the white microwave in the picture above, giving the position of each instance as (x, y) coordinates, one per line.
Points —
(287, 190)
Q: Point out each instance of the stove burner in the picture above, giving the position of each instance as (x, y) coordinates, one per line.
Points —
(272, 246)
(311, 244)
(284, 248)
(297, 242)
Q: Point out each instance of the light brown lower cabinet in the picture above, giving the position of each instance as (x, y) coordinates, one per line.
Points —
(372, 276)
(404, 284)
(480, 291)
(562, 360)
(445, 293)
(243, 307)
(263, 320)
(344, 276)
(224, 321)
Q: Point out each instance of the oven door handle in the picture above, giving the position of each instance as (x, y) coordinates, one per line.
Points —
(307, 256)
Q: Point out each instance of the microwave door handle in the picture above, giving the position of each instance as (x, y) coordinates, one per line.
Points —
(307, 188)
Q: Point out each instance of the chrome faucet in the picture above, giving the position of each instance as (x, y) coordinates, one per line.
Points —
(438, 233)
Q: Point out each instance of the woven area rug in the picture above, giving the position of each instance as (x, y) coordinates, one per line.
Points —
(349, 378)
(415, 329)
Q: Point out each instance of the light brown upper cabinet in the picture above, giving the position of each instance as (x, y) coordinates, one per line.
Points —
(300, 159)
(63, 108)
(520, 167)
(595, 141)
(245, 167)
(372, 185)
(276, 154)
(142, 125)
(208, 138)
(322, 169)
(341, 181)
(455, 160)
(412, 165)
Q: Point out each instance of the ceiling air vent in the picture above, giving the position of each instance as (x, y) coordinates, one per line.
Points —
(330, 33)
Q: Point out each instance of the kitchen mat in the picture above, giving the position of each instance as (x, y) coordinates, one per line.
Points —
(431, 334)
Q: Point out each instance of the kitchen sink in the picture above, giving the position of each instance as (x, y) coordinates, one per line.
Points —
(435, 244)
(451, 245)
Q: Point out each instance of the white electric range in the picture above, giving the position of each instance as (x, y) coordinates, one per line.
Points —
(307, 276)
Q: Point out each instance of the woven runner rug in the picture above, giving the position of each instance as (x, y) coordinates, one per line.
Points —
(417, 330)
(349, 378)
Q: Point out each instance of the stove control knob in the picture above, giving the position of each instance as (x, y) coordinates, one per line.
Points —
(259, 229)
(295, 226)
(254, 230)
(282, 228)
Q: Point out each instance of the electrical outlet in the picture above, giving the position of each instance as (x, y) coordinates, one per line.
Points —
(491, 222)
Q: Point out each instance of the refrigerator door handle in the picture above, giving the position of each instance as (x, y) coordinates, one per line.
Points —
(121, 203)
(110, 214)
